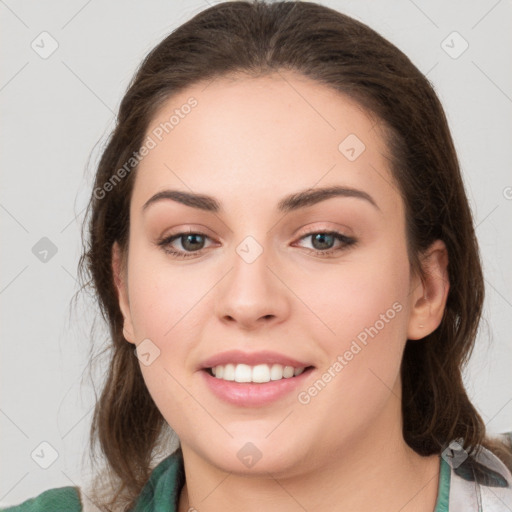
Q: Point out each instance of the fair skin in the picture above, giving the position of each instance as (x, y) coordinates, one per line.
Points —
(250, 142)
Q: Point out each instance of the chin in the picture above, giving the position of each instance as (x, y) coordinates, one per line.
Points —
(258, 457)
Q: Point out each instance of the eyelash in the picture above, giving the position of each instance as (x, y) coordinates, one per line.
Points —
(165, 244)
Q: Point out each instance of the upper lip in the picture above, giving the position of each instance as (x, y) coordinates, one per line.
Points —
(251, 358)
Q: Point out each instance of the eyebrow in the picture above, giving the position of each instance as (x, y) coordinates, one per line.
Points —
(296, 201)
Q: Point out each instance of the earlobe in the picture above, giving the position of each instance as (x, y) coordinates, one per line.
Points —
(120, 276)
(428, 299)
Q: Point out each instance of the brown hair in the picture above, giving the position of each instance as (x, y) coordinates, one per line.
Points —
(335, 50)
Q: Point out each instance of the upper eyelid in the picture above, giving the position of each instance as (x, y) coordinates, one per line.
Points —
(341, 229)
(315, 228)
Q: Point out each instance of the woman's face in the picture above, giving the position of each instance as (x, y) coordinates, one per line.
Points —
(263, 288)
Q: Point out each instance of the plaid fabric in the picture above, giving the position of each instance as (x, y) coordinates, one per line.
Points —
(478, 483)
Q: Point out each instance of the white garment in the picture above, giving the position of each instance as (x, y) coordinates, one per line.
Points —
(481, 483)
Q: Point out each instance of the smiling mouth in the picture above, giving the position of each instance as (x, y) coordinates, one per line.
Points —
(260, 373)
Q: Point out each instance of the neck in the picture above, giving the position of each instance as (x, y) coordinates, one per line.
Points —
(376, 471)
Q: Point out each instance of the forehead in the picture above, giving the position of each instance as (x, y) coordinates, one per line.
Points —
(263, 136)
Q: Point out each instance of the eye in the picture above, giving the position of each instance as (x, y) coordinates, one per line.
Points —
(191, 242)
(323, 241)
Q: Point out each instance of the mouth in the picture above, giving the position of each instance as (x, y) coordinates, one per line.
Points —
(254, 379)
(259, 385)
(256, 374)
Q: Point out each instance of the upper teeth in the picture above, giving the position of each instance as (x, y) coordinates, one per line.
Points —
(258, 373)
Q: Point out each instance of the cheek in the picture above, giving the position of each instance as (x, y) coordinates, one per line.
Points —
(364, 304)
(169, 306)
(162, 297)
(357, 294)
(165, 307)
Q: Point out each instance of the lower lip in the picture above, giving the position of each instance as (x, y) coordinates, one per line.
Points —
(248, 394)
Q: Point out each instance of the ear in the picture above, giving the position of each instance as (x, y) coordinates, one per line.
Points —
(120, 281)
(429, 294)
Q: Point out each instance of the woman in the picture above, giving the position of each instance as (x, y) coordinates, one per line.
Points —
(308, 351)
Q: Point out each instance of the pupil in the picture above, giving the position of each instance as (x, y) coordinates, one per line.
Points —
(187, 237)
(321, 237)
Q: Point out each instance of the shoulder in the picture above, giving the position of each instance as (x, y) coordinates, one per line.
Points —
(61, 499)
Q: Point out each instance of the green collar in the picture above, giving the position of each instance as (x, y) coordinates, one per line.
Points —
(162, 491)
(443, 491)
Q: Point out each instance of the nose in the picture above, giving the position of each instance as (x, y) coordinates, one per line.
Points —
(252, 295)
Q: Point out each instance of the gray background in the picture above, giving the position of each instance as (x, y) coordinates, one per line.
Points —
(56, 113)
